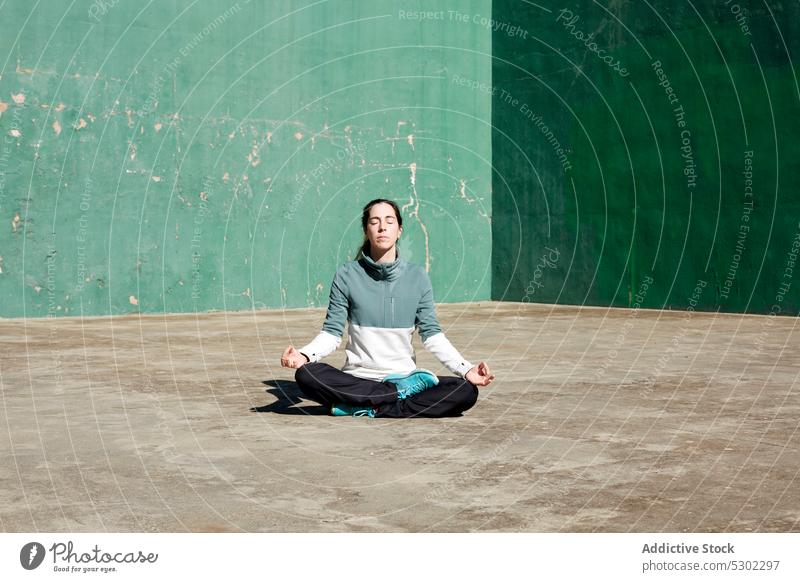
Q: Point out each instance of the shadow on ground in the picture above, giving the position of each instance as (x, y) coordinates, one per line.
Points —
(288, 396)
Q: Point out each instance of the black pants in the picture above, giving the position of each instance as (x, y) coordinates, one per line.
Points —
(330, 386)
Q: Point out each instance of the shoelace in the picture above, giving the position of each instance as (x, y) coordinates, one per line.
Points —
(365, 412)
(411, 390)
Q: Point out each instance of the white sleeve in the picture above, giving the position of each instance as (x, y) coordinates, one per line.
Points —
(325, 343)
(441, 347)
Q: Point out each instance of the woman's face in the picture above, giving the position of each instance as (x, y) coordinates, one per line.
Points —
(382, 228)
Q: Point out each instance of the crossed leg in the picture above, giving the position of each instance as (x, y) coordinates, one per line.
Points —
(330, 386)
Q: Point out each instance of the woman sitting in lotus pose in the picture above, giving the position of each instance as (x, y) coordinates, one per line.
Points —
(384, 298)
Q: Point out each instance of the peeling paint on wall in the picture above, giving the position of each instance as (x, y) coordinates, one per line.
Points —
(181, 188)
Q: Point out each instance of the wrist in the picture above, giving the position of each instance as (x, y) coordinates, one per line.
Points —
(463, 369)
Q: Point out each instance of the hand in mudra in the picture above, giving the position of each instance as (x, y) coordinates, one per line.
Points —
(480, 375)
(291, 358)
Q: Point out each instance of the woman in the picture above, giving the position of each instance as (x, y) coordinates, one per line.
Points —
(384, 298)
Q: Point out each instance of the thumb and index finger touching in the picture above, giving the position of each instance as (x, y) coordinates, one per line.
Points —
(287, 353)
(483, 370)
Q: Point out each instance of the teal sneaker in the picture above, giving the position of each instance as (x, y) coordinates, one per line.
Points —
(351, 410)
(413, 383)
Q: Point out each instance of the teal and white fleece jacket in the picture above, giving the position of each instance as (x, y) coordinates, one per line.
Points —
(383, 302)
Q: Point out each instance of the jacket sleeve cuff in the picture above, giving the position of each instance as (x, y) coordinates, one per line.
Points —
(448, 355)
(462, 368)
(325, 343)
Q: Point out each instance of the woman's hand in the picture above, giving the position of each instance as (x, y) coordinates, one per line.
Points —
(479, 375)
(291, 358)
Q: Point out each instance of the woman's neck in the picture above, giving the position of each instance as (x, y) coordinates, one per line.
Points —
(387, 257)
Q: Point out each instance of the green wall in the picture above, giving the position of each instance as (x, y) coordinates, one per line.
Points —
(620, 178)
(196, 156)
(191, 156)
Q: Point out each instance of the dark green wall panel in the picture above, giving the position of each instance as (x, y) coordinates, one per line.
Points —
(623, 209)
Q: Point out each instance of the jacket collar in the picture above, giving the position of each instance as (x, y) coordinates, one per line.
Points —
(381, 271)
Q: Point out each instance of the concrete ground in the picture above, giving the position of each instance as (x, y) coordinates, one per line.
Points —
(598, 420)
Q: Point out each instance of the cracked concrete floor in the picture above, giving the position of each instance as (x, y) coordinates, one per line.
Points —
(599, 420)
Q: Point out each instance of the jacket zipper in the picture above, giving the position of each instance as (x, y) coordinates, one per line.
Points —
(383, 285)
(392, 301)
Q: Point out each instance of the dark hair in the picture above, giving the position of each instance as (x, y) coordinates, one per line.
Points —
(364, 248)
